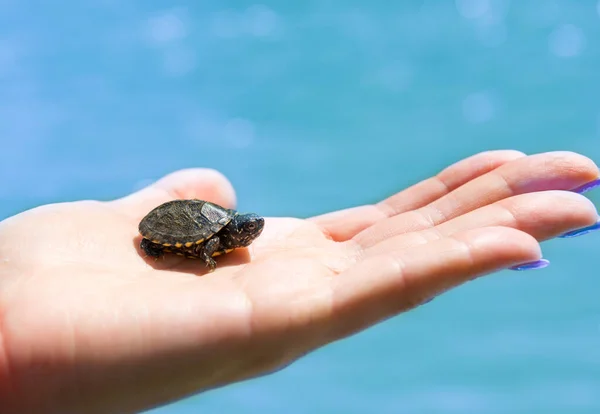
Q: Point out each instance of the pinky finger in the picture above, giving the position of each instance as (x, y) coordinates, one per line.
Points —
(382, 286)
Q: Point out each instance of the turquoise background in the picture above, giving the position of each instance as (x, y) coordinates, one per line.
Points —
(319, 105)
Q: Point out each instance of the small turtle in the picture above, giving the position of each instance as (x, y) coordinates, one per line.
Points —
(197, 229)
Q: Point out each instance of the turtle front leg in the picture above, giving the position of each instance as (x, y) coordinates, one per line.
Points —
(207, 250)
(151, 249)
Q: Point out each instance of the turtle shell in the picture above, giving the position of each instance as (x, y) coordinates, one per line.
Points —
(184, 222)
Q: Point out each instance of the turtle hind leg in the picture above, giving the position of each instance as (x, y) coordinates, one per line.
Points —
(206, 251)
(151, 249)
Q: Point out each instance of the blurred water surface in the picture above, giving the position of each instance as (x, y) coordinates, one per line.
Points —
(319, 105)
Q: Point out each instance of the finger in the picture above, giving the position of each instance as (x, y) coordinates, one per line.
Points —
(202, 183)
(344, 224)
(383, 285)
(542, 215)
(549, 171)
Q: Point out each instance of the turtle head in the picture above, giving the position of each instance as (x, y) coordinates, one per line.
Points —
(245, 228)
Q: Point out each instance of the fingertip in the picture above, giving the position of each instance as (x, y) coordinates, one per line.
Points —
(576, 165)
(508, 237)
(505, 246)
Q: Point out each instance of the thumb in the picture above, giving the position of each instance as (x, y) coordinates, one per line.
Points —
(202, 183)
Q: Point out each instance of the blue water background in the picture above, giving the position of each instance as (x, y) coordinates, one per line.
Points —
(318, 105)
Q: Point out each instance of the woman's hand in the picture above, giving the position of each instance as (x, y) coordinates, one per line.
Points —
(89, 324)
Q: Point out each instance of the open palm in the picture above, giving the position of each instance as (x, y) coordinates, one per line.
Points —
(89, 324)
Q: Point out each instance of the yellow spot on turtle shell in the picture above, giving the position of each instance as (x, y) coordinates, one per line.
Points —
(178, 245)
(188, 244)
(219, 253)
(199, 241)
(156, 241)
(167, 244)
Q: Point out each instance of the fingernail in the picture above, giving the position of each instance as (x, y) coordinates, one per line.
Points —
(581, 232)
(538, 264)
(587, 187)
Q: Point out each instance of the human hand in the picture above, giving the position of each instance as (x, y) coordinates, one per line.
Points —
(88, 324)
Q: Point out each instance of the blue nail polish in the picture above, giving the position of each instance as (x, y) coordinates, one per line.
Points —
(581, 232)
(538, 264)
(587, 187)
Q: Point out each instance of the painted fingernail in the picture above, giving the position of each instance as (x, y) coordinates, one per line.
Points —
(587, 187)
(538, 264)
(581, 232)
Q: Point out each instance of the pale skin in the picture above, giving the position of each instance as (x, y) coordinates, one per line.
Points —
(88, 324)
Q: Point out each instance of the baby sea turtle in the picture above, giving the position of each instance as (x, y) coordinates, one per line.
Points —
(197, 229)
